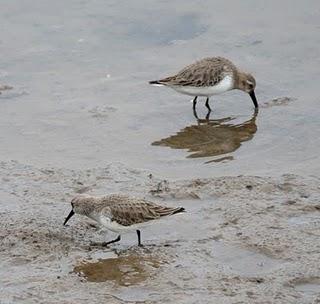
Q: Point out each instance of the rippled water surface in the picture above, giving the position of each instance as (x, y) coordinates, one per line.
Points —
(81, 98)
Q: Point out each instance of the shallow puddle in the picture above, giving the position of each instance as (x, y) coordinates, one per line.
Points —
(309, 287)
(305, 219)
(123, 271)
(243, 261)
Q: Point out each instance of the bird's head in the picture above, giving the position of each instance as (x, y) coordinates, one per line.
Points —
(247, 83)
(81, 204)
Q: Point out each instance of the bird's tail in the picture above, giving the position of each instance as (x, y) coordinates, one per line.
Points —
(156, 82)
(178, 210)
(165, 211)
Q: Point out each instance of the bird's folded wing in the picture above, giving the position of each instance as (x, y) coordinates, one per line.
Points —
(130, 214)
(203, 73)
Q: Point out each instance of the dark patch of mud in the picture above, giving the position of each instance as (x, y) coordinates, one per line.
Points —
(122, 271)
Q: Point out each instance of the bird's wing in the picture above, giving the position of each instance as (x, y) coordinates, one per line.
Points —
(134, 211)
(205, 72)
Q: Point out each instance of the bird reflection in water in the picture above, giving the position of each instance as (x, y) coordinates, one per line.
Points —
(212, 137)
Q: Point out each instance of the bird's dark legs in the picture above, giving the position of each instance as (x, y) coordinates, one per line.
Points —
(195, 103)
(113, 241)
(207, 104)
(139, 238)
(208, 115)
(194, 107)
(195, 113)
(106, 243)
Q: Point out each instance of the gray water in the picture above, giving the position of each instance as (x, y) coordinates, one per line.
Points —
(81, 98)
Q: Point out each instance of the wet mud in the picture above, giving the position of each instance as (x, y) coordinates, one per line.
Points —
(243, 239)
(78, 116)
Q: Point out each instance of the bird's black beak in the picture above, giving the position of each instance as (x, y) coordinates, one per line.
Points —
(68, 217)
(254, 99)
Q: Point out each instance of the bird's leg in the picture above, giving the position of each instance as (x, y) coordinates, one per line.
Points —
(208, 115)
(195, 114)
(207, 105)
(103, 244)
(139, 238)
(194, 103)
(113, 241)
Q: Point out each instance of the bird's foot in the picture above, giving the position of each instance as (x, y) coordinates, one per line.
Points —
(99, 244)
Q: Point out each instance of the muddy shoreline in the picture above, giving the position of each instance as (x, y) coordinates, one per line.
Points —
(244, 239)
(82, 118)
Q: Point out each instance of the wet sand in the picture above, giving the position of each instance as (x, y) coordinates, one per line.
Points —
(81, 118)
(243, 239)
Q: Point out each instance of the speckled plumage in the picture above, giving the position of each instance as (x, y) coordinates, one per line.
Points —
(123, 209)
(120, 213)
(208, 77)
(203, 73)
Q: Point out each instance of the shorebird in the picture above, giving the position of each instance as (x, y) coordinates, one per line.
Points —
(120, 213)
(210, 76)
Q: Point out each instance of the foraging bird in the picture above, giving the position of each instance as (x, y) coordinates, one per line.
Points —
(210, 76)
(120, 213)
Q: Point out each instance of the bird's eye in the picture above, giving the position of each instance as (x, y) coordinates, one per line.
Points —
(250, 84)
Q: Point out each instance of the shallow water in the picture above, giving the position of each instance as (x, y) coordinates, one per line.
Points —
(134, 268)
(309, 288)
(241, 261)
(81, 98)
(122, 271)
(211, 137)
